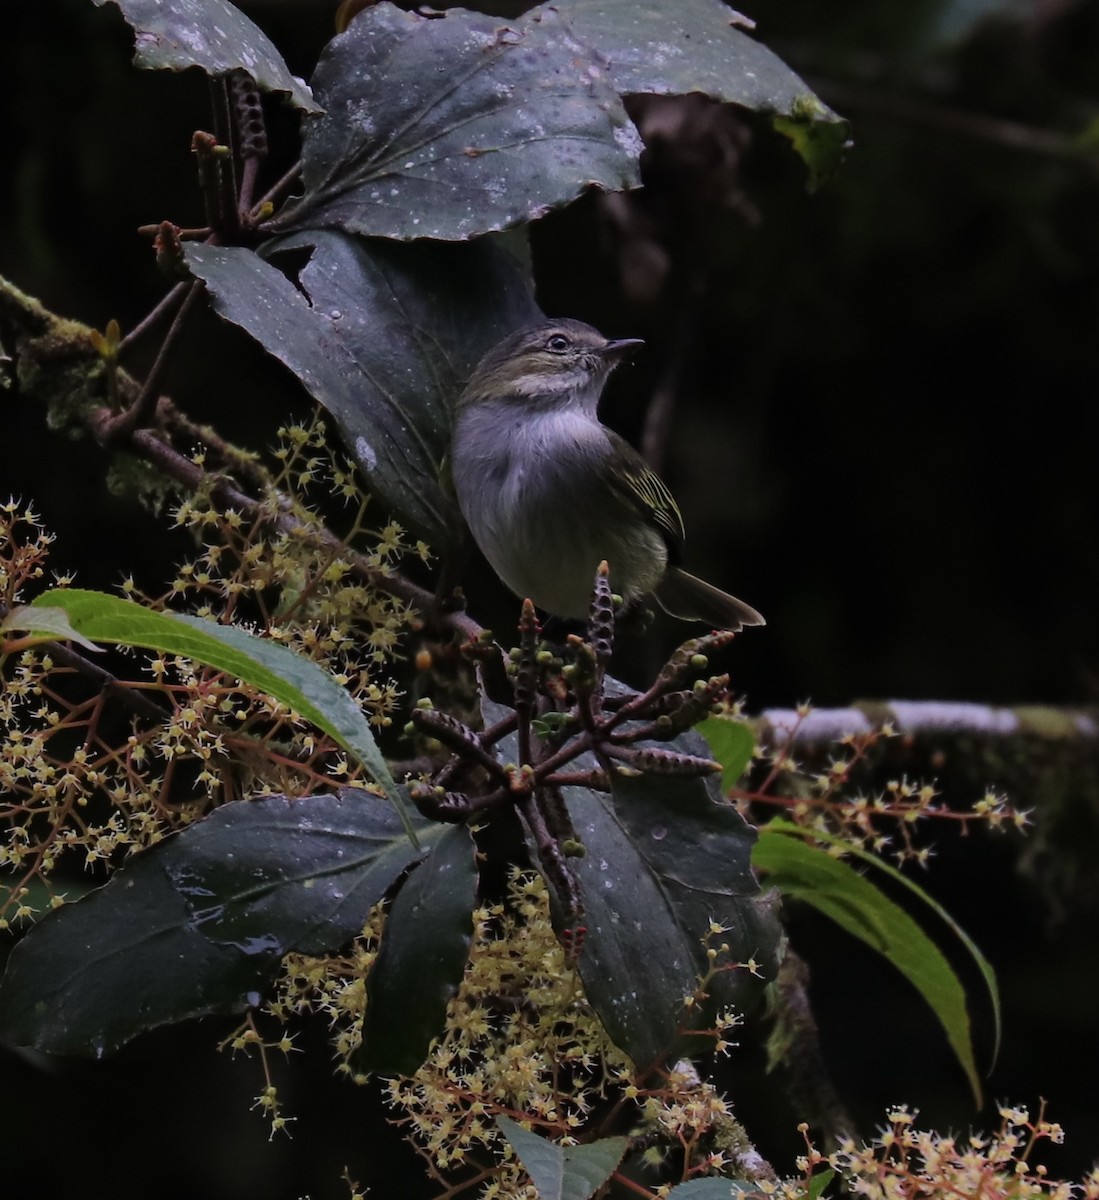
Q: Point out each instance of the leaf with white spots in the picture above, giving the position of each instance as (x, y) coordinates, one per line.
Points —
(457, 124)
(665, 858)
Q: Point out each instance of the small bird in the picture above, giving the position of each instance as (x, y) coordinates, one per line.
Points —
(548, 491)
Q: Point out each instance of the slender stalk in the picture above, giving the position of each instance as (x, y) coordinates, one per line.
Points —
(141, 411)
(156, 314)
(180, 468)
(277, 189)
(109, 684)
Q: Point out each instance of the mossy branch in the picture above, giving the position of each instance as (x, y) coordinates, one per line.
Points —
(60, 363)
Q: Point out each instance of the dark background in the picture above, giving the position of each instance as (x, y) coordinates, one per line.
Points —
(883, 392)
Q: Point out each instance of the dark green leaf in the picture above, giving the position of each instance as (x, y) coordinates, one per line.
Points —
(198, 923)
(699, 849)
(833, 887)
(125, 959)
(383, 339)
(819, 141)
(665, 859)
(425, 944)
(456, 125)
(564, 1172)
(695, 46)
(298, 874)
(819, 1182)
(637, 964)
(299, 683)
(685, 831)
(648, 916)
(732, 743)
(212, 34)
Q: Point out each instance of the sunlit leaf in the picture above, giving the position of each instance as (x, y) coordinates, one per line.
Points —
(819, 1182)
(732, 743)
(832, 886)
(820, 142)
(984, 967)
(299, 683)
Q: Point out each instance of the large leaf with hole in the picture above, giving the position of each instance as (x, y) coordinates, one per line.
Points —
(689, 46)
(383, 336)
(451, 125)
(696, 46)
(212, 34)
(198, 923)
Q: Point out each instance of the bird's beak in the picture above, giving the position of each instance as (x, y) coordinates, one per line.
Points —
(620, 348)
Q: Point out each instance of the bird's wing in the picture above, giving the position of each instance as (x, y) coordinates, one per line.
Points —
(648, 494)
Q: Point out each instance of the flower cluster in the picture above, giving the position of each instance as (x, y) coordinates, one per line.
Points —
(885, 822)
(908, 1162)
(521, 1040)
(97, 763)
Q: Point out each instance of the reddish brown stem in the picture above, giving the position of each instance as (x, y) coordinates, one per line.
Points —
(141, 411)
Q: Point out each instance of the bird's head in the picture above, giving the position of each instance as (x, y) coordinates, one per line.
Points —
(559, 362)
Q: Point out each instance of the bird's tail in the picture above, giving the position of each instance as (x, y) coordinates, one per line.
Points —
(694, 599)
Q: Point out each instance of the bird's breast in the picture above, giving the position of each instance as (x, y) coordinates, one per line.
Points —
(502, 459)
(535, 496)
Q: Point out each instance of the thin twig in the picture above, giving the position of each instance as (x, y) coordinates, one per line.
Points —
(809, 1085)
(182, 232)
(33, 322)
(155, 315)
(180, 468)
(249, 173)
(109, 684)
(277, 189)
(142, 409)
(226, 131)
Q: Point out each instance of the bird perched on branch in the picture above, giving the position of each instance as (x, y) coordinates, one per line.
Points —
(548, 491)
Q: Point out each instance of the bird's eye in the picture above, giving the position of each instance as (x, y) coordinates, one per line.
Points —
(557, 343)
